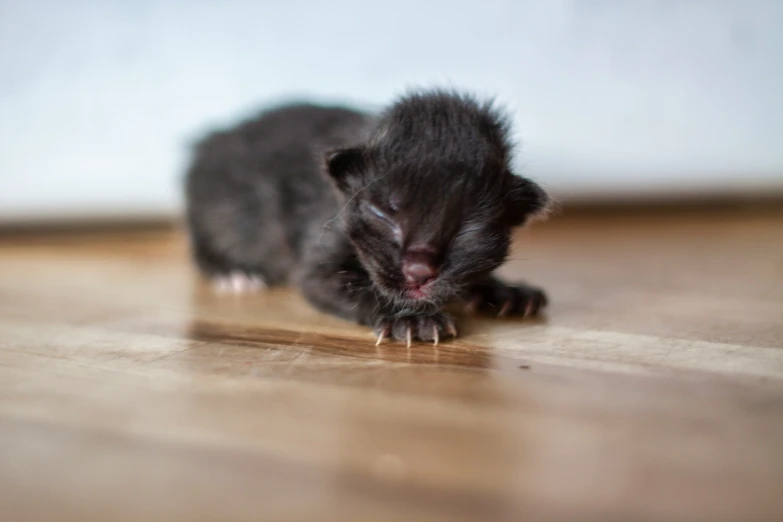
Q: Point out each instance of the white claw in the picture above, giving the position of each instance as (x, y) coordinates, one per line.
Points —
(452, 329)
(435, 335)
(381, 336)
(505, 309)
(528, 308)
(408, 337)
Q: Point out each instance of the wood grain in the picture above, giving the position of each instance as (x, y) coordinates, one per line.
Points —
(652, 390)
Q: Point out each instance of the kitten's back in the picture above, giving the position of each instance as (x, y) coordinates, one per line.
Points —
(253, 190)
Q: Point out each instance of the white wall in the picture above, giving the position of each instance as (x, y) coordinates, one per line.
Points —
(99, 99)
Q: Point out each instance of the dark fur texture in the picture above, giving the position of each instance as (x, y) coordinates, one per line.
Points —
(378, 219)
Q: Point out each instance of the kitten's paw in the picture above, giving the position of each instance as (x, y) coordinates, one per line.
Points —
(501, 299)
(238, 283)
(407, 328)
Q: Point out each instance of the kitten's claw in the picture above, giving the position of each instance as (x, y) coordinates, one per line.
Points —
(472, 306)
(451, 329)
(408, 328)
(505, 309)
(520, 300)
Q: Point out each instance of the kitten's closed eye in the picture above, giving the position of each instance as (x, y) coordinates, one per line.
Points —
(378, 213)
(382, 216)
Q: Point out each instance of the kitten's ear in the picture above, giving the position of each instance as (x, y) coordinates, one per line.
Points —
(345, 166)
(524, 200)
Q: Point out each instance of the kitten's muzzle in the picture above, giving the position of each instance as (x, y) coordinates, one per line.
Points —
(419, 266)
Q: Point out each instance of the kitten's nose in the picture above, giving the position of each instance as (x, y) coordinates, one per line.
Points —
(419, 266)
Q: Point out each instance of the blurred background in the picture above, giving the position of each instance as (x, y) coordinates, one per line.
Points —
(613, 100)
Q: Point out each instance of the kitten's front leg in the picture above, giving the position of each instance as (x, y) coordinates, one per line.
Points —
(345, 290)
(494, 296)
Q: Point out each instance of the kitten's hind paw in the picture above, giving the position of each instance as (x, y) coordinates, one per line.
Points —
(432, 328)
(238, 283)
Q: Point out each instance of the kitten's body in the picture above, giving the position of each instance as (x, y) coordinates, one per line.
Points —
(256, 193)
(378, 219)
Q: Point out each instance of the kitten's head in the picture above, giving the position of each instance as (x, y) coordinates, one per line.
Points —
(430, 199)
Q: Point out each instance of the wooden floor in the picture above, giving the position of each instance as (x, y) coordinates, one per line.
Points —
(653, 389)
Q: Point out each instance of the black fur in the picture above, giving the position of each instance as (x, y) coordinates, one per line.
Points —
(378, 219)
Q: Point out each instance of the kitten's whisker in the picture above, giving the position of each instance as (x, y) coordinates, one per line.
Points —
(481, 268)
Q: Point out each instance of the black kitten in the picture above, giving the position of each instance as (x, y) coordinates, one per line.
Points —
(422, 213)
